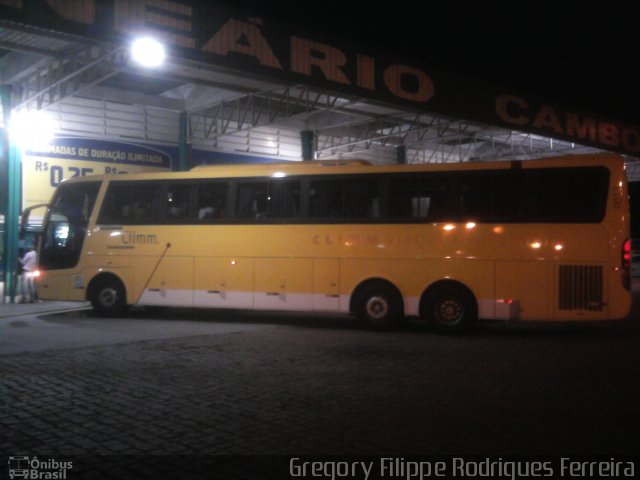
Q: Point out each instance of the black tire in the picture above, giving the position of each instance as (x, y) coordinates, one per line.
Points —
(379, 306)
(108, 298)
(451, 308)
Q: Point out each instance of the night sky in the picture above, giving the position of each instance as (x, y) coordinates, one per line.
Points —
(582, 59)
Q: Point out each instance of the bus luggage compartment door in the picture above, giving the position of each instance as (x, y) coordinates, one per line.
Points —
(526, 284)
(171, 284)
(283, 284)
(326, 287)
(223, 282)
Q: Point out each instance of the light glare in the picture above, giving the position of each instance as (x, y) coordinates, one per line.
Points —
(31, 129)
(148, 52)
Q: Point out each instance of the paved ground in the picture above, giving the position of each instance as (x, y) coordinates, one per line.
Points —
(216, 382)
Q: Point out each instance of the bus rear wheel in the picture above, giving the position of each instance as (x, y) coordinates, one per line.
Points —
(380, 306)
(108, 297)
(450, 308)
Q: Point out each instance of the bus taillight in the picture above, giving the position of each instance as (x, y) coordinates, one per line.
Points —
(626, 264)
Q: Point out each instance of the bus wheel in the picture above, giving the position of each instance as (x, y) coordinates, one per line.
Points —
(380, 306)
(108, 297)
(451, 308)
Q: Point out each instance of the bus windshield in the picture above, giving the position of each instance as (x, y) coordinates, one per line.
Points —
(66, 225)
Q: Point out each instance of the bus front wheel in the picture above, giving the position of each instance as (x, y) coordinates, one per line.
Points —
(380, 306)
(450, 308)
(108, 297)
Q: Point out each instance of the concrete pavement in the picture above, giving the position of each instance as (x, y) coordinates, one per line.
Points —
(207, 382)
(249, 383)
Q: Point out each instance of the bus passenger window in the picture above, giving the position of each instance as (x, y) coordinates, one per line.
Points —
(211, 202)
(129, 203)
(420, 206)
(252, 200)
(508, 189)
(476, 197)
(418, 199)
(177, 202)
(362, 198)
(278, 199)
(345, 197)
(567, 195)
(325, 199)
(284, 199)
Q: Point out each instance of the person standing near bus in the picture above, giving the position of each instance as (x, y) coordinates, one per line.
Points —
(29, 266)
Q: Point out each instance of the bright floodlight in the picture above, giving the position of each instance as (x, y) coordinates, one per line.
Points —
(31, 129)
(148, 52)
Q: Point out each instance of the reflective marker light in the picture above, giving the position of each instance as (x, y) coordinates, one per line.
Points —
(626, 264)
(148, 52)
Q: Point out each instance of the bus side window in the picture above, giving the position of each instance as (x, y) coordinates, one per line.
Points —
(252, 200)
(284, 199)
(129, 203)
(176, 205)
(476, 197)
(419, 198)
(508, 196)
(565, 195)
(278, 199)
(325, 199)
(362, 198)
(211, 201)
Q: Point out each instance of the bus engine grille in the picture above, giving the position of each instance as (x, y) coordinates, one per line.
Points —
(580, 288)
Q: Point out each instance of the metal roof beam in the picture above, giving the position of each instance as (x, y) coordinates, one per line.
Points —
(14, 67)
(45, 33)
(257, 110)
(98, 92)
(70, 73)
(20, 48)
(379, 133)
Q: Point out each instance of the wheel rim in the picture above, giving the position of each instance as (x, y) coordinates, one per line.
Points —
(377, 307)
(108, 297)
(449, 311)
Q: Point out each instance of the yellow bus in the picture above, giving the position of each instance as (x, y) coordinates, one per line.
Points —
(536, 240)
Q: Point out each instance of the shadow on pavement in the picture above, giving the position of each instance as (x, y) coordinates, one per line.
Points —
(325, 321)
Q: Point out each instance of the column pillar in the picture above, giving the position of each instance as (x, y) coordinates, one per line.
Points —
(184, 149)
(401, 155)
(308, 148)
(10, 166)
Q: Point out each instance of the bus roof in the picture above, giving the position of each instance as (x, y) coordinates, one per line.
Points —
(321, 167)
